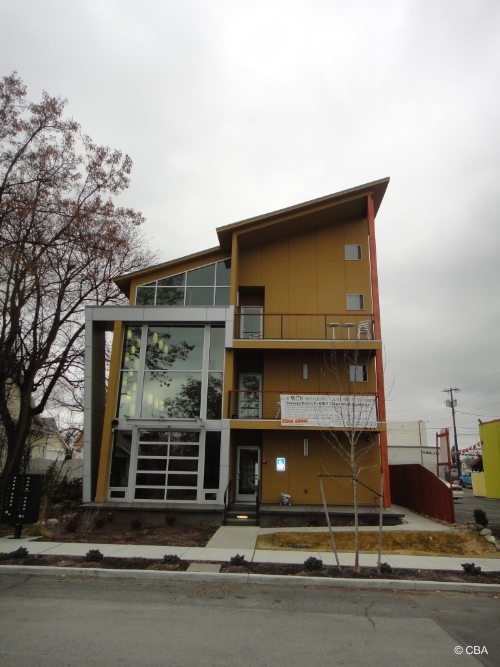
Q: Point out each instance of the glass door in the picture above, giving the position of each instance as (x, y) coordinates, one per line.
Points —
(251, 321)
(248, 473)
(250, 396)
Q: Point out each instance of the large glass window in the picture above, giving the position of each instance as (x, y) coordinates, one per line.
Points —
(205, 286)
(120, 459)
(167, 376)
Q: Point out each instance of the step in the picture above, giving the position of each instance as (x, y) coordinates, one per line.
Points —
(240, 522)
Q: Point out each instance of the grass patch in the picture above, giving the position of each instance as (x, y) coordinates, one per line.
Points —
(415, 543)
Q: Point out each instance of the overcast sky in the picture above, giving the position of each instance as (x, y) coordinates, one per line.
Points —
(232, 108)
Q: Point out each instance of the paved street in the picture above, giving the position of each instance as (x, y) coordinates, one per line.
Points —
(76, 622)
(464, 508)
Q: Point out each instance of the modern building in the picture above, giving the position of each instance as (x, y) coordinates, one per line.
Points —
(247, 373)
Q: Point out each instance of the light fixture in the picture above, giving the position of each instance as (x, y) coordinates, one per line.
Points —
(306, 447)
(305, 371)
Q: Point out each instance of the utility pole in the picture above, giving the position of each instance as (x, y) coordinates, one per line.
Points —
(451, 403)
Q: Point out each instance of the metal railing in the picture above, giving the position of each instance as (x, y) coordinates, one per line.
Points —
(227, 502)
(304, 326)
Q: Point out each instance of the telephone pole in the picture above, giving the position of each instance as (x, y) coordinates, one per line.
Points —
(451, 403)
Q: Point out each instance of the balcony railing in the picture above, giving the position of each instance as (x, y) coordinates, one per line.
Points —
(254, 325)
(254, 404)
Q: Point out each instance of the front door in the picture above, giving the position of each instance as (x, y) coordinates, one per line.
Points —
(248, 472)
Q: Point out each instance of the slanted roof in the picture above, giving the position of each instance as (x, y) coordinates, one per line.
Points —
(348, 204)
(345, 205)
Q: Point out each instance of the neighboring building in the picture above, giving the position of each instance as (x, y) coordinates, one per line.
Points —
(407, 443)
(234, 368)
(45, 442)
(487, 482)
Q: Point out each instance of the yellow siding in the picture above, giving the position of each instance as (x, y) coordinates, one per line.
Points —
(307, 272)
(490, 446)
(301, 478)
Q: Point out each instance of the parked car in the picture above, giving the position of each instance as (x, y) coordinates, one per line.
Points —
(466, 480)
(456, 490)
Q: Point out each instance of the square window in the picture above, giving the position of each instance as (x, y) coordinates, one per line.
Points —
(355, 302)
(358, 373)
(352, 251)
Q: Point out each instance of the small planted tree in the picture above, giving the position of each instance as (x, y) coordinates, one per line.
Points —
(351, 432)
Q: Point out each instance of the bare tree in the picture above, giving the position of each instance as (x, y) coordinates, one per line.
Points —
(62, 239)
(354, 438)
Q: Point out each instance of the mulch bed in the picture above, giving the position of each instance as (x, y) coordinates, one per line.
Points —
(254, 568)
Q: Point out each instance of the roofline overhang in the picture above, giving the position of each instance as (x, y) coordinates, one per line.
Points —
(376, 188)
(225, 233)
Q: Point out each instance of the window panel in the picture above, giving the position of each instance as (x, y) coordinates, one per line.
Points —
(223, 273)
(222, 296)
(199, 296)
(211, 472)
(355, 302)
(172, 395)
(216, 351)
(149, 494)
(145, 296)
(205, 275)
(150, 479)
(176, 348)
(152, 450)
(358, 373)
(183, 450)
(181, 494)
(128, 394)
(183, 465)
(152, 464)
(170, 296)
(173, 281)
(352, 251)
(120, 458)
(132, 348)
(182, 480)
(214, 396)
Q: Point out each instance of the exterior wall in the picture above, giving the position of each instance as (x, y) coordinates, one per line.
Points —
(301, 477)
(490, 445)
(407, 443)
(296, 269)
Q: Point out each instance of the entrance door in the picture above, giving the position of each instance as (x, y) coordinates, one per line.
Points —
(250, 396)
(248, 473)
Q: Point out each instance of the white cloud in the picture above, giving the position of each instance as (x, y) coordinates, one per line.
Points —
(231, 109)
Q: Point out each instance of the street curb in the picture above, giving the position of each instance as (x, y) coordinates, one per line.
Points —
(260, 579)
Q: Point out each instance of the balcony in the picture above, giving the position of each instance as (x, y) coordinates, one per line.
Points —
(352, 410)
(252, 324)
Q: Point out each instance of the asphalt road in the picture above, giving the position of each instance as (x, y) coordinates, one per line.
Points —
(464, 508)
(76, 622)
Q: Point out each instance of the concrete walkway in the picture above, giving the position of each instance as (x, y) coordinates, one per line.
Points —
(231, 540)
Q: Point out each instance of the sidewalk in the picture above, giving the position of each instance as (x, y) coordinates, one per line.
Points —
(231, 540)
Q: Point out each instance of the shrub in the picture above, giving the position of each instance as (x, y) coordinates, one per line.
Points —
(136, 523)
(238, 560)
(313, 563)
(480, 517)
(471, 568)
(21, 552)
(385, 568)
(171, 559)
(71, 522)
(93, 556)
